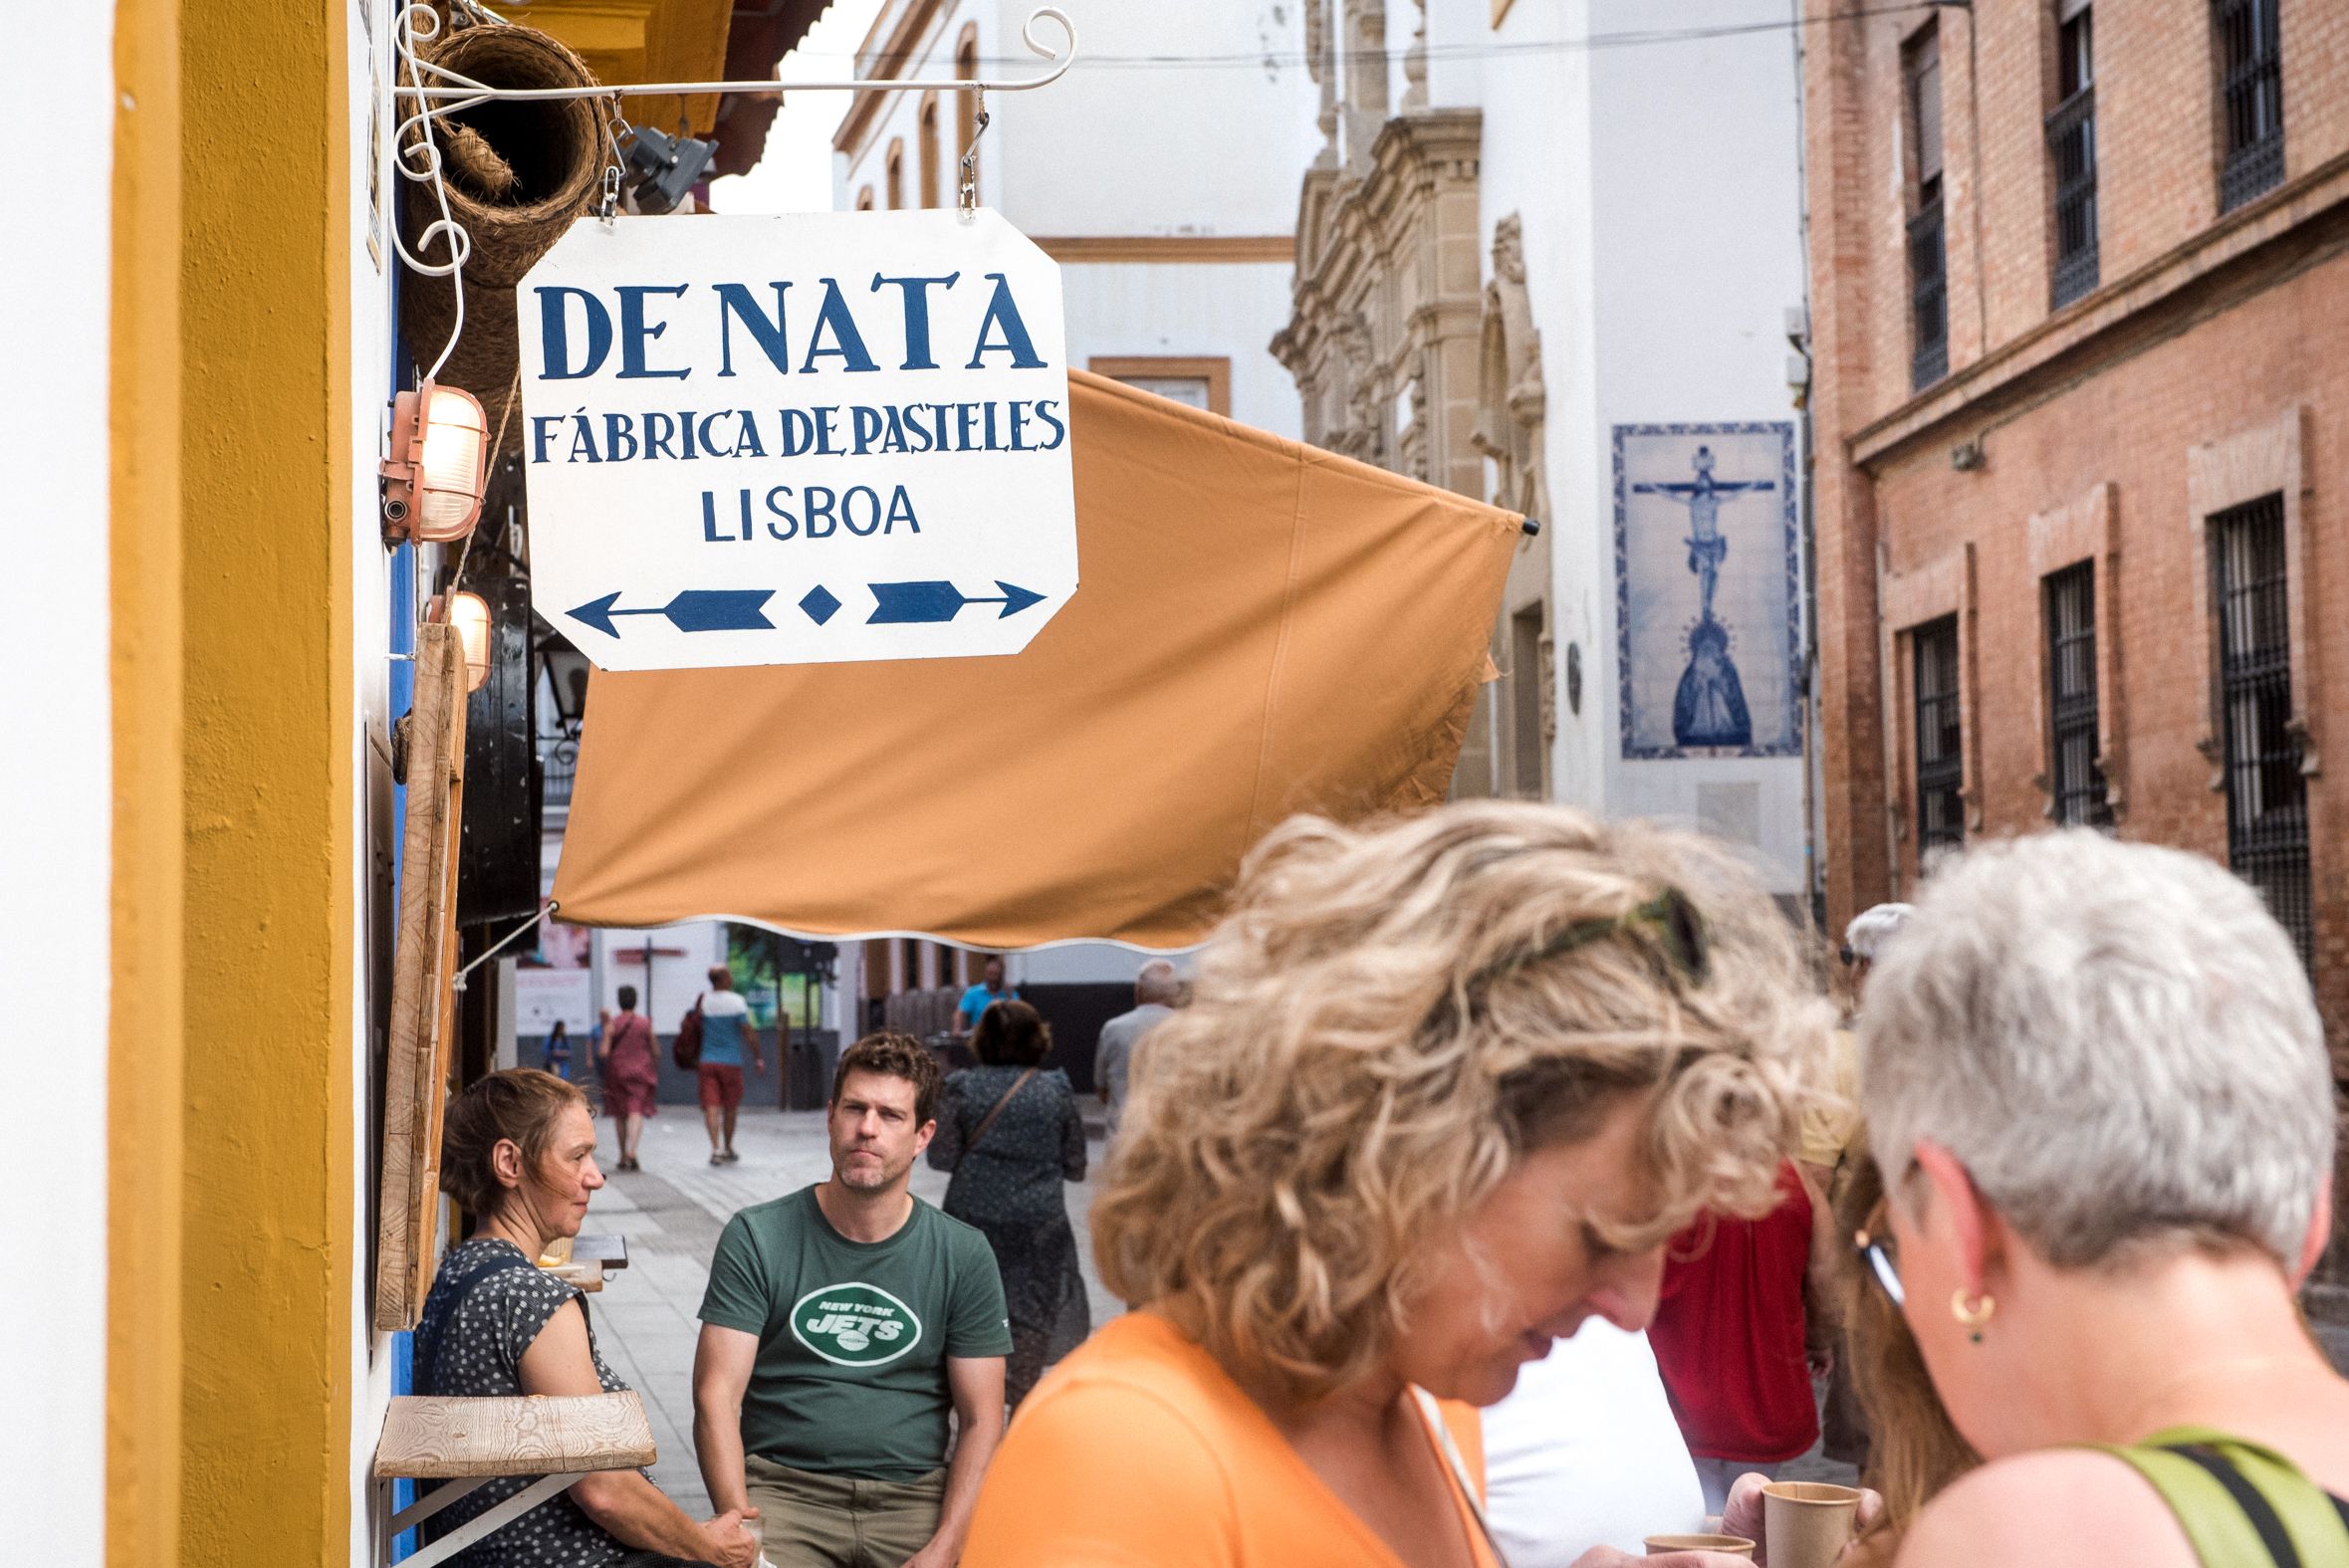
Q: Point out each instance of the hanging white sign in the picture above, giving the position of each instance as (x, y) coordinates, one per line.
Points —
(798, 439)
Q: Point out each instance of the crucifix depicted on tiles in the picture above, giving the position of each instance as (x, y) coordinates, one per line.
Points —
(1710, 707)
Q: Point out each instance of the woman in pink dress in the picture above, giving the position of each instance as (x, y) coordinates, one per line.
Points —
(629, 1057)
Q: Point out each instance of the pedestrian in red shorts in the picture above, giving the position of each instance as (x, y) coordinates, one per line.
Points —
(630, 1059)
(726, 1034)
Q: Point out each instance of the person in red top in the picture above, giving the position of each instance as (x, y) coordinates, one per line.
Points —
(1731, 1335)
(631, 1060)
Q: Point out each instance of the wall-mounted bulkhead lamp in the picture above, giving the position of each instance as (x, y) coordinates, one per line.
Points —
(662, 169)
(438, 468)
(468, 614)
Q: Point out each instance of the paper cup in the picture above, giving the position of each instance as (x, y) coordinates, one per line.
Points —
(1727, 1545)
(1807, 1523)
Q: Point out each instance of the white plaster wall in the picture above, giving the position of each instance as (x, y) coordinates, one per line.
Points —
(55, 865)
(1695, 232)
(1124, 147)
(678, 975)
(1125, 143)
(1533, 80)
(1088, 962)
(1211, 309)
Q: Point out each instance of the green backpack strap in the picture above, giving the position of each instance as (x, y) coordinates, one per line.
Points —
(2240, 1506)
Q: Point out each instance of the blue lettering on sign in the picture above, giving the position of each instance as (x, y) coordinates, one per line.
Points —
(848, 344)
(735, 304)
(914, 294)
(636, 334)
(1004, 312)
(555, 334)
(578, 332)
(825, 510)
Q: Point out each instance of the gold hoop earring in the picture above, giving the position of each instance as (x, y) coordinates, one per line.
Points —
(1971, 1319)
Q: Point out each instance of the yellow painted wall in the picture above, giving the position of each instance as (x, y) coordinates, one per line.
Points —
(145, 1153)
(264, 316)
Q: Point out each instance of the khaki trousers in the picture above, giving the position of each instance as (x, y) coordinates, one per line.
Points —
(808, 1520)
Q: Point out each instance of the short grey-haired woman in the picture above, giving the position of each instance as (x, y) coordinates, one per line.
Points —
(2096, 1083)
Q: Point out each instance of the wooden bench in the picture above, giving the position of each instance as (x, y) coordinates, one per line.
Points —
(467, 1441)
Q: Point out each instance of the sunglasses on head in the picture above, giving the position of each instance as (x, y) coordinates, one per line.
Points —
(1669, 921)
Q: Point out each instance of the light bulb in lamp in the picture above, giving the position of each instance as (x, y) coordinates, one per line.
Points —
(438, 468)
(469, 615)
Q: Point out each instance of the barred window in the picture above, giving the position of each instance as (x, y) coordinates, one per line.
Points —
(1941, 769)
(1929, 281)
(2250, 52)
(2266, 794)
(2077, 773)
(2071, 145)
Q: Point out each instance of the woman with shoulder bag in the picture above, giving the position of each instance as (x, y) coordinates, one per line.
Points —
(1012, 1134)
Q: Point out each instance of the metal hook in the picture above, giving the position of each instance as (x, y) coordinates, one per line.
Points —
(967, 198)
(611, 207)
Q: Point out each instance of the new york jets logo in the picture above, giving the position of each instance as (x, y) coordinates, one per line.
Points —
(855, 1324)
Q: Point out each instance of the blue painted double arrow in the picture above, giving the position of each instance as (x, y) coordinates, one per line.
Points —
(694, 609)
(908, 603)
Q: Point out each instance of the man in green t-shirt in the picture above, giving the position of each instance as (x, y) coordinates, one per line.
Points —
(840, 1325)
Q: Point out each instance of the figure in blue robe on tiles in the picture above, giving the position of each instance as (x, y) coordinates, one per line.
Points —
(1709, 709)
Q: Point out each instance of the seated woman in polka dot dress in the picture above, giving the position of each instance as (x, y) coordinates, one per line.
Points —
(518, 1152)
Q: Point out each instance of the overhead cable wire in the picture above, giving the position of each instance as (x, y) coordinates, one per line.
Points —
(1285, 57)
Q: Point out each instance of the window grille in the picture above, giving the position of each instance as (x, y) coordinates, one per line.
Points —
(1941, 768)
(2250, 99)
(2071, 145)
(1929, 283)
(2077, 776)
(2266, 794)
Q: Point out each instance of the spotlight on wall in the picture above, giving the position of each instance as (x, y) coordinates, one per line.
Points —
(438, 468)
(469, 615)
(663, 168)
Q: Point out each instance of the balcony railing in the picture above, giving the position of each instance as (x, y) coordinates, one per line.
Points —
(556, 772)
(1928, 297)
(2071, 145)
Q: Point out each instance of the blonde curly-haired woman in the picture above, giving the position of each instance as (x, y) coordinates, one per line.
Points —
(1445, 1087)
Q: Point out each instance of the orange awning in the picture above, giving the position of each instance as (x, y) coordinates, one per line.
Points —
(1261, 628)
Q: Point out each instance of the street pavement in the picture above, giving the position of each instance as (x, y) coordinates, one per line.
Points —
(672, 1210)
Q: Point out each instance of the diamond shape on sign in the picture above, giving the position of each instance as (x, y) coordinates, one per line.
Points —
(819, 604)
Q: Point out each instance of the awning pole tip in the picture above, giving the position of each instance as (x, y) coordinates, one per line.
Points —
(1531, 526)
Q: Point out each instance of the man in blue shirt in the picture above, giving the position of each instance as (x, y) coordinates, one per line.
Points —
(726, 1033)
(974, 1000)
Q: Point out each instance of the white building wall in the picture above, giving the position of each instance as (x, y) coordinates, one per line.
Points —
(1223, 310)
(58, 800)
(1129, 146)
(1130, 142)
(1658, 185)
(1696, 235)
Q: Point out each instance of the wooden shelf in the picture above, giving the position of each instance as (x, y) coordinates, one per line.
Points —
(427, 1438)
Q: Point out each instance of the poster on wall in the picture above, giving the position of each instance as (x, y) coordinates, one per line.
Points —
(542, 997)
(1708, 622)
(797, 439)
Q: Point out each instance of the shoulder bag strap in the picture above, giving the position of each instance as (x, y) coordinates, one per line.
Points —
(1458, 1463)
(431, 1332)
(995, 1110)
(2239, 1503)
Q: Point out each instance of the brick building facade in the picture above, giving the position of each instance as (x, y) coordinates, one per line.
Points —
(2080, 344)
